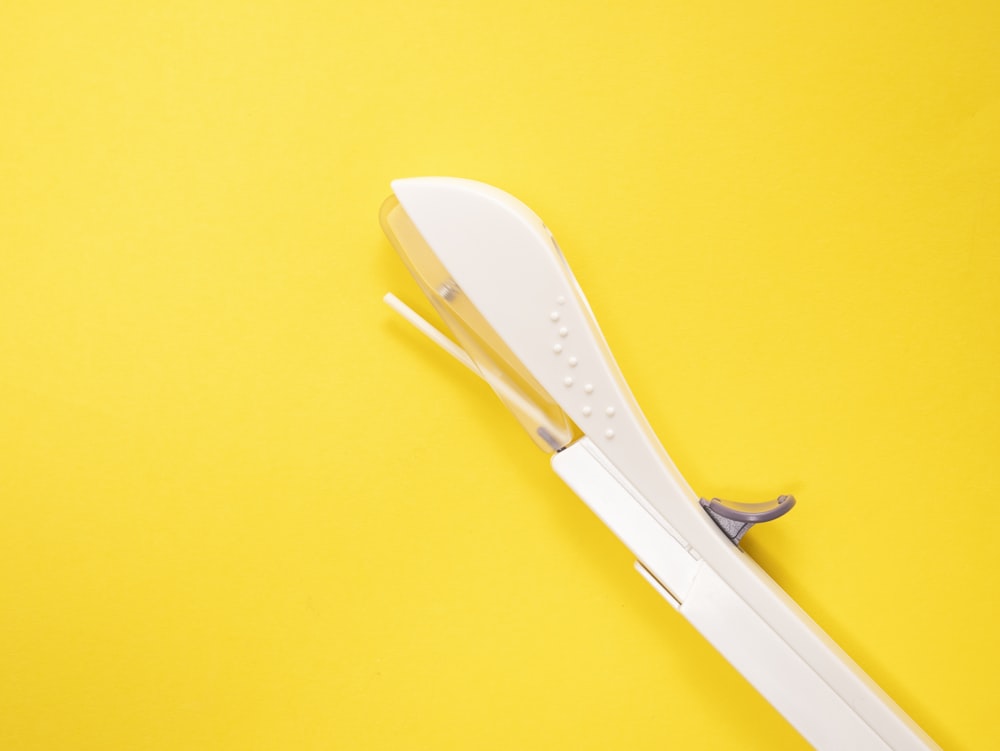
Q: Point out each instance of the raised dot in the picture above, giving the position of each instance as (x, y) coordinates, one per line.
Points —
(567, 381)
(610, 411)
(557, 348)
(554, 315)
(573, 362)
(589, 388)
(561, 300)
(609, 434)
(564, 331)
(587, 411)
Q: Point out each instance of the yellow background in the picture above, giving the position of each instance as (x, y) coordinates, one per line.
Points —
(242, 507)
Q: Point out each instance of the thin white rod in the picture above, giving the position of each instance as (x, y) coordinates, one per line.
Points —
(514, 399)
(430, 332)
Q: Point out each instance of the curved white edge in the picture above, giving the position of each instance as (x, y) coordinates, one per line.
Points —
(504, 259)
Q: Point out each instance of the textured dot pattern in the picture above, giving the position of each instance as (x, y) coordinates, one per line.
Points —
(555, 316)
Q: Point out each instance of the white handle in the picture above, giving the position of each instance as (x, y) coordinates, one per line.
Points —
(856, 715)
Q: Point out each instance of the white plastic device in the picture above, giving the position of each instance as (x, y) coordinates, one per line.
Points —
(495, 273)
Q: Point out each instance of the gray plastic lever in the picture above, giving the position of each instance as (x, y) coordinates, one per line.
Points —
(735, 518)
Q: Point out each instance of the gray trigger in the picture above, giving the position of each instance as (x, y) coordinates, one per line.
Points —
(735, 518)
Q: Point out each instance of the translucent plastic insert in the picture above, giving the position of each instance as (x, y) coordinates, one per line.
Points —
(544, 420)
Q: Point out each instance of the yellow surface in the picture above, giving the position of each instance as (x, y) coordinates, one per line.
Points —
(243, 507)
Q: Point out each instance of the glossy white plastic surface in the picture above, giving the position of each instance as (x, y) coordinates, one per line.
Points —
(503, 258)
(824, 717)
